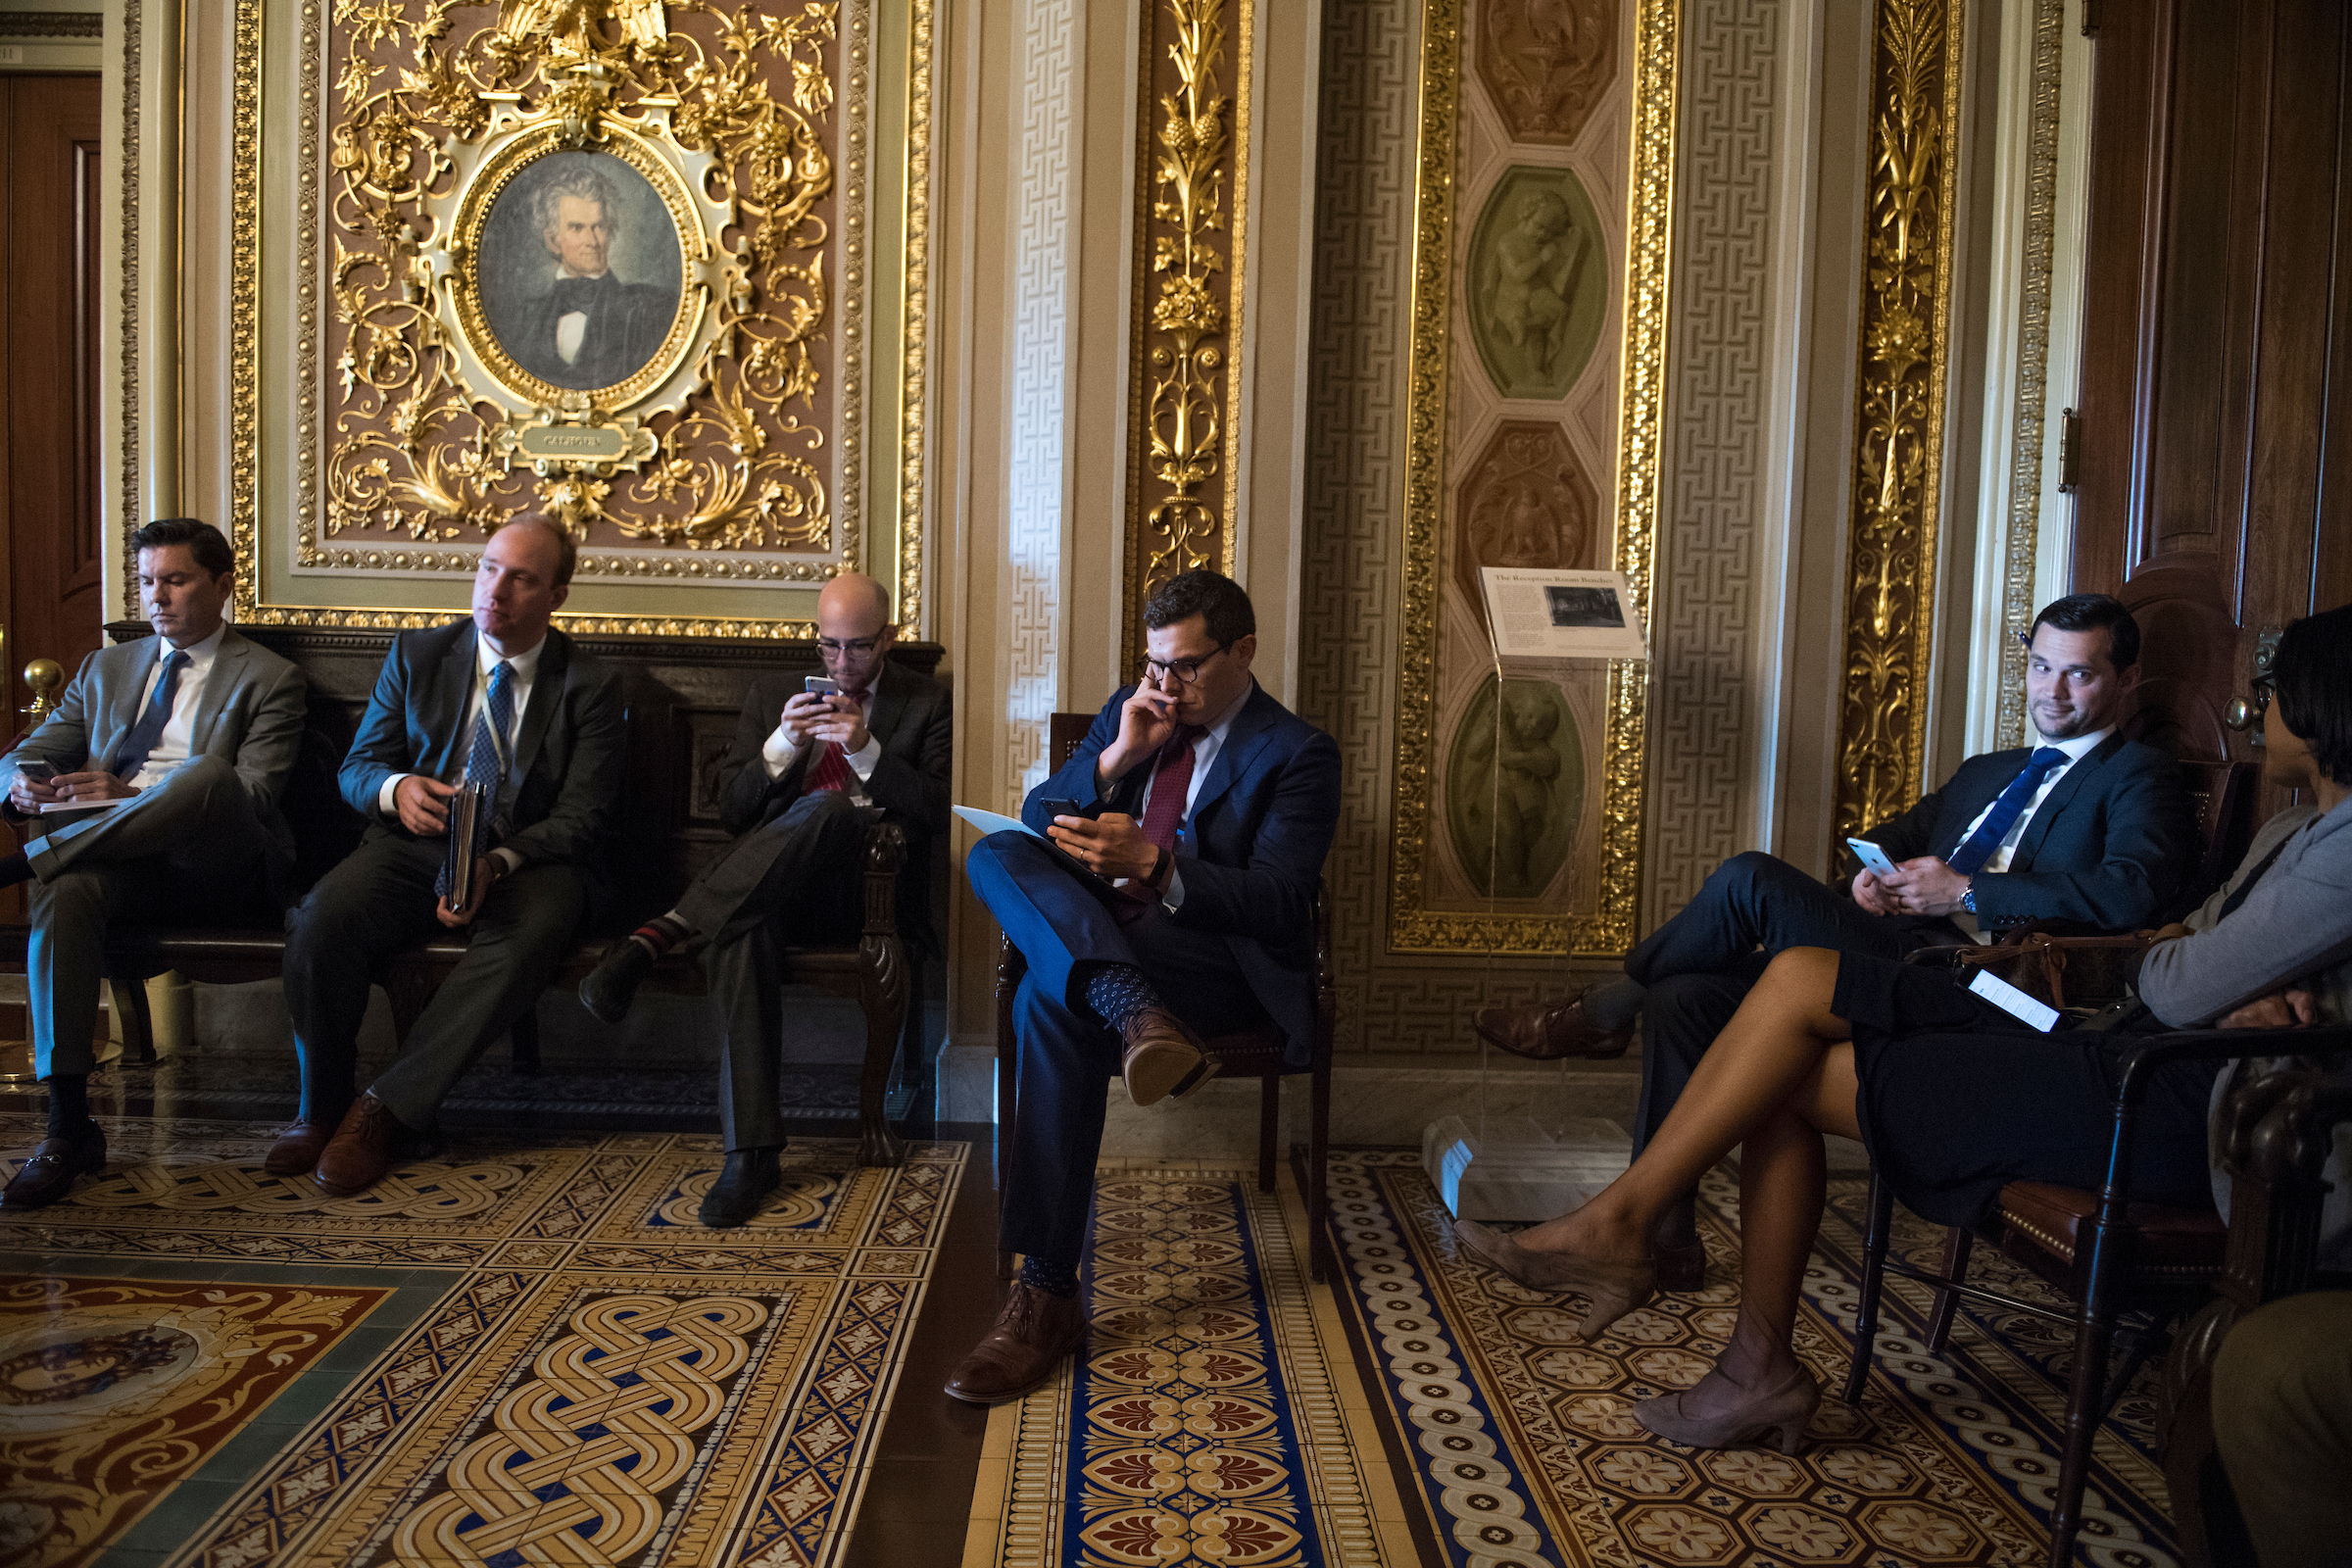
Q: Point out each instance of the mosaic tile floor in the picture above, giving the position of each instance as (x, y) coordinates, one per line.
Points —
(517, 1352)
(1524, 1451)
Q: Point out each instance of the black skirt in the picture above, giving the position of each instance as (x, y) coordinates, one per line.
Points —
(1957, 1098)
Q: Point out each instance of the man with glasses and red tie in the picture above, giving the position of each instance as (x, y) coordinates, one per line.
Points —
(504, 702)
(1196, 817)
(807, 773)
(2085, 831)
(154, 787)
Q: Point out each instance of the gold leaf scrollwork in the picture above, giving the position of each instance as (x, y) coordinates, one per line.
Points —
(719, 446)
(1891, 563)
(1189, 266)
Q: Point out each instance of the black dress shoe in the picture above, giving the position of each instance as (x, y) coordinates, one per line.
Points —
(51, 1170)
(750, 1175)
(612, 986)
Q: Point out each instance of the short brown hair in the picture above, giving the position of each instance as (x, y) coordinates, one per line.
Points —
(567, 549)
(210, 551)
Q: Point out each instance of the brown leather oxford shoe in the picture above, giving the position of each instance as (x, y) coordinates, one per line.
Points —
(1163, 1058)
(297, 1149)
(361, 1152)
(1546, 1034)
(49, 1173)
(1033, 1333)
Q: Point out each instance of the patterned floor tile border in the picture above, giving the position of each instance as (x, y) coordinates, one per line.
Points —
(1527, 1451)
(1206, 1420)
(113, 1390)
(603, 1381)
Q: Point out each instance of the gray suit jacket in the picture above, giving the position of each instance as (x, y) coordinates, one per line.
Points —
(250, 715)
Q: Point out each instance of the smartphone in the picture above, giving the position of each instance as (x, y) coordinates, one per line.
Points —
(820, 686)
(1054, 809)
(36, 769)
(1871, 855)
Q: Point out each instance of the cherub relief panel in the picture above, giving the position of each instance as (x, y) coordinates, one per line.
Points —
(1539, 282)
(1547, 62)
(1514, 789)
(1525, 503)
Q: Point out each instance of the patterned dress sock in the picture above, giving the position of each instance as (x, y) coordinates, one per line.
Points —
(69, 1104)
(1117, 992)
(662, 933)
(1613, 1003)
(1054, 1279)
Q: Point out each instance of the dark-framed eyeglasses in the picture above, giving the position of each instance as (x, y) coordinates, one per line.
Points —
(861, 646)
(1187, 670)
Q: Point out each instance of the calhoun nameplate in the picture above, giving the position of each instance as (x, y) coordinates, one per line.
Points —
(572, 443)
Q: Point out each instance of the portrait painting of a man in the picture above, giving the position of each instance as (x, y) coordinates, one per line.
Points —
(581, 274)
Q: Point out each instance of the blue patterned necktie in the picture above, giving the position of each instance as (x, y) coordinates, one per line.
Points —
(150, 729)
(486, 759)
(1970, 857)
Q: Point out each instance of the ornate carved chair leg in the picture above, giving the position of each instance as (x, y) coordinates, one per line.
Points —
(1956, 1245)
(130, 998)
(1321, 1261)
(1875, 1235)
(407, 992)
(2085, 1408)
(882, 996)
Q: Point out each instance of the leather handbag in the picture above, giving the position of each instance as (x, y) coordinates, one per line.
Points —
(2073, 974)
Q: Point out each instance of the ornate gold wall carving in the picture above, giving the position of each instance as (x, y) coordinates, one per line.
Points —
(1900, 412)
(1192, 211)
(713, 466)
(1415, 925)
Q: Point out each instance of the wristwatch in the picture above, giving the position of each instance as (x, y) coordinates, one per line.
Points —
(1968, 897)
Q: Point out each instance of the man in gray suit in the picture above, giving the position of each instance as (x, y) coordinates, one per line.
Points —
(504, 702)
(805, 774)
(157, 779)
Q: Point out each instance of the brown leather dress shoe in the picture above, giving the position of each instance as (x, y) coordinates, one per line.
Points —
(1033, 1333)
(361, 1152)
(1546, 1034)
(1163, 1058)
(295, 1151)
(49, 1173)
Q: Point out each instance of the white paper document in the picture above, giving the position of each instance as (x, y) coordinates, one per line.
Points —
(995, 821)
(2013, 1001)
(1544, 613)
(50, 807)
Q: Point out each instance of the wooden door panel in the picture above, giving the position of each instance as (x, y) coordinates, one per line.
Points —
(2217, 379)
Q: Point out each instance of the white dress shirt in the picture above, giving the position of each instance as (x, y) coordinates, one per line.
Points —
(2076, 748)
(572, 325)
(1205, 747)
(172, 747)
(518, 688)
(777, 752)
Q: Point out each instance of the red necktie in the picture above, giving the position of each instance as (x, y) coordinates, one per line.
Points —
(1172, 784)
(831, 769)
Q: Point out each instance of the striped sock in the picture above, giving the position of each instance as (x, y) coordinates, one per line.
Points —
(662, 933)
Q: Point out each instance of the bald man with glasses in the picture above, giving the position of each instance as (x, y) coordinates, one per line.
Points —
(806, 776)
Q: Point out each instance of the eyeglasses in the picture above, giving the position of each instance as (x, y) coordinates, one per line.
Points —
(861, 646)
(1187, 670)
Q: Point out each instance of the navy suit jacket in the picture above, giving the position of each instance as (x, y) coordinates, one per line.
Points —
(1250, 853)
(2110, 850)
(569, 750)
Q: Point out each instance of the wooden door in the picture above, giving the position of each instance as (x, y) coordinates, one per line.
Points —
(2217, 384)
(49, 198)
(50, 543)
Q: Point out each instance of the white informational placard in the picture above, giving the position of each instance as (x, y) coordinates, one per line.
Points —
(1541, 613)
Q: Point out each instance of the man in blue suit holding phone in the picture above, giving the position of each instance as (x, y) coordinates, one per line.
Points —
(1181, 906)
(2085, 830)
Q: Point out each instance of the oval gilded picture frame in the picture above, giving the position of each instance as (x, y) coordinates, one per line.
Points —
(498, 242)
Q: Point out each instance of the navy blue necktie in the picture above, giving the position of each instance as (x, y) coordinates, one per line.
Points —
(1970, 857)
(486, 758)
(150, 729)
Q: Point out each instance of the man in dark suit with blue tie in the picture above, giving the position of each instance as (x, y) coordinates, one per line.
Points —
(2086, 830)
(153, 787)
(507, 702)
(1184, 910)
